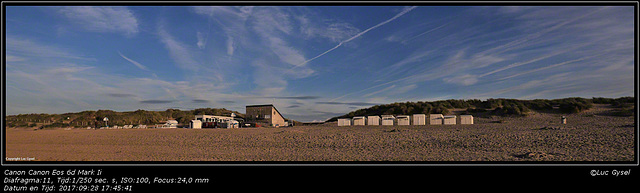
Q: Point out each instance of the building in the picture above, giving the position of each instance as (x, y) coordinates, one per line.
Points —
(211, 121)
(449, 120)
(419, 119)
(230, 124)
(466, 119)
(388, 119)
(373, 120)
(435, 119)
(170, 124)
(359, 120)
(195, 124)
(267, 115)
(403, 119)
(344, 122)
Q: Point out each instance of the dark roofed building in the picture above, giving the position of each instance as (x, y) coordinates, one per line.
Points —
(265, 114)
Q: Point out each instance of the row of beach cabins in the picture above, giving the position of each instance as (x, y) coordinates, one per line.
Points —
(418, 119)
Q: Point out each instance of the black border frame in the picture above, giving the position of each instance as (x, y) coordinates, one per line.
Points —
(308, 172)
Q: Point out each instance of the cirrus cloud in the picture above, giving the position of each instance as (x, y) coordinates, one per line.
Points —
(102, 19)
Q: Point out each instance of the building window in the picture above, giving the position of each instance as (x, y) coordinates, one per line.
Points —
(267, 116)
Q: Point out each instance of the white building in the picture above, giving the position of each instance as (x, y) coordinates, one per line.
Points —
(403, 119)
(212, 121)
(373, 120)
(361, 120)
(388, 119)
(435, 119)
(466, 119)
(344, 122)
(195, 124)
(419, 119)
(213, 118)
(171, 124)
(449, 120)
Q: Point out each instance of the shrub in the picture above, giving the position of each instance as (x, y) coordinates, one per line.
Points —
(574, 106)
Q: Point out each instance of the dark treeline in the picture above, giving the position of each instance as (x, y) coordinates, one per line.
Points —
(501, 107)
(94, 118)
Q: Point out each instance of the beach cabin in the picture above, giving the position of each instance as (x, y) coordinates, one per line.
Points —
(388, 119)
(195, 124)
(171, 124)
(373, 120)
(449, 120)
(435, 119)
(359, 120)
(466, 119)
(403, 120)
(419, 119)
(344, 122)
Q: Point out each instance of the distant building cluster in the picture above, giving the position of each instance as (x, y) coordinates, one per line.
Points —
(418, 119)
(211, 121)
(255, 116)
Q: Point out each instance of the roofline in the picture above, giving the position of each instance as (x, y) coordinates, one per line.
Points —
(260, 105)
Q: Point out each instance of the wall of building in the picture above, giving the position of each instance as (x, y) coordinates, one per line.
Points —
(436, 119)
(419, 119)
(466, 119)
(266, 115)
(276, 118)
(373, 120)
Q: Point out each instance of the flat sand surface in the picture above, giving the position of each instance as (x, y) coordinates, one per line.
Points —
(539, 137)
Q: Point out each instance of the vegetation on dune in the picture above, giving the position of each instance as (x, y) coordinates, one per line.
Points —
(499, 107)
(94, 118)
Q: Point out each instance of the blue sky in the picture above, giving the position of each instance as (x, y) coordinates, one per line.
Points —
(313, 63)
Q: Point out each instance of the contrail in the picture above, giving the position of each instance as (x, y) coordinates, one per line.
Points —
(357, 35)
(134, 62)
(434, 29)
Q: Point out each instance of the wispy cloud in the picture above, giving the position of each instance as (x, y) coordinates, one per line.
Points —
(464, 80)
(335, 31)
(230, 45)
(550, 66)
(199, 101)
(178, 50)
(120, 95)
(202, 41)
(294, 97)
(102, 19)
(156, 101)
(23, 49)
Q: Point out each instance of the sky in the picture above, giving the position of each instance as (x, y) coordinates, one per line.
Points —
(311, 62)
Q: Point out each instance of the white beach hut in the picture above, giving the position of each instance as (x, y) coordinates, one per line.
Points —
(449, 120)
(388, 119)
(195, 124)
(373, 120)
(435, 119)
(419, 119)
(361, 120)
(404, 119)
(466, 119)
(344, 122)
